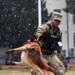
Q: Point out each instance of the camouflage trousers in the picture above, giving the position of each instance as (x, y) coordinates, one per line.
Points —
(55, 63)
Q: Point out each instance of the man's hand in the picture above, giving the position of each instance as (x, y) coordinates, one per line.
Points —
(38, 35)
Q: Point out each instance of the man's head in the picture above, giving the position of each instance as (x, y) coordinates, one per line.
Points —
(56, 18)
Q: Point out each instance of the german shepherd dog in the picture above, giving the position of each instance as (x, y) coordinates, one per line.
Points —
(32, 56)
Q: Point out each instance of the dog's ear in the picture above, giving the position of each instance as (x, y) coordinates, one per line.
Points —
(38, 42)
(32, 38)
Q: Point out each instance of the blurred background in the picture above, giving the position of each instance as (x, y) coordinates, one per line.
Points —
(19, 19)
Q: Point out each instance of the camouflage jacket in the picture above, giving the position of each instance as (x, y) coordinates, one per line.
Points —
(50, 37)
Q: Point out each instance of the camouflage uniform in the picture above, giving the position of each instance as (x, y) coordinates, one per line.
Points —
(51, 35)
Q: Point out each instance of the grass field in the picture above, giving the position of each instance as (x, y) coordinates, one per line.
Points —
(72, 72)
(8, 72)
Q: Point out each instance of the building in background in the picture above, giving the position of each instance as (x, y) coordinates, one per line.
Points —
(67, 26)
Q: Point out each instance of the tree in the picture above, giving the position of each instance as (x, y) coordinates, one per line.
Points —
(45, 15)
(70, 6)
(18, 21)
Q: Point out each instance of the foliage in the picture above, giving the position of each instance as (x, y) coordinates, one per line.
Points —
(70, 6)
(18, 21)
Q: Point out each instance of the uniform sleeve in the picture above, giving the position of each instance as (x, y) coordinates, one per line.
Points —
(42, 29)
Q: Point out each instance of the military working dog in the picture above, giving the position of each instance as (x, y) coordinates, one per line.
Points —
(32, 56)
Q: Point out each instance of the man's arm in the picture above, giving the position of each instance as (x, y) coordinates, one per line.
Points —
(41, 30)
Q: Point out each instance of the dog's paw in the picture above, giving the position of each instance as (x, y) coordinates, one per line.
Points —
(9, 52)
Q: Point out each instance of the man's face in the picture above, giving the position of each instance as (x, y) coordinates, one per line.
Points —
(55, 23)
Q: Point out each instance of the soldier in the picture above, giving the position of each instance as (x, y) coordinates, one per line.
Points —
(50, 36)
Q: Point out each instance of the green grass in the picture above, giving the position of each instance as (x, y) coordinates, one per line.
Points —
(71, 72)
(8, 72)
